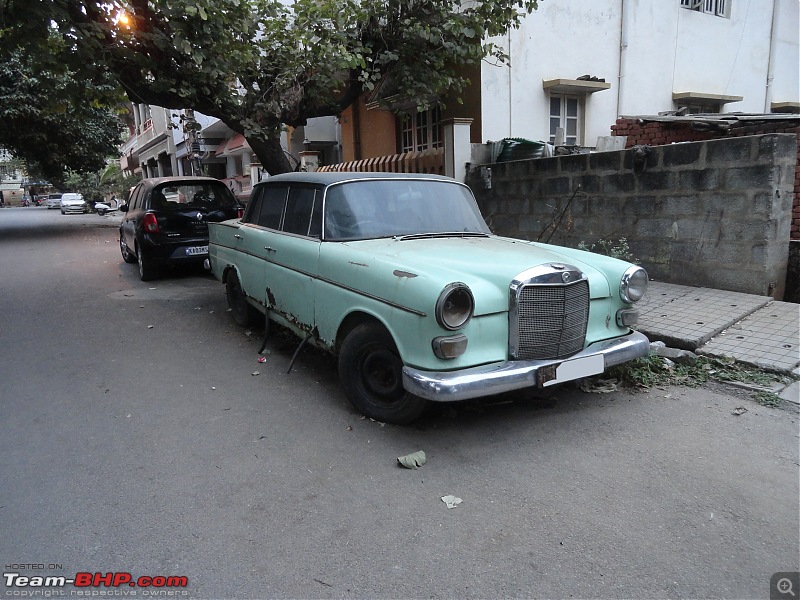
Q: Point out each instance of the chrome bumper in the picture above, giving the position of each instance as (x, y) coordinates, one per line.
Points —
(496, 378)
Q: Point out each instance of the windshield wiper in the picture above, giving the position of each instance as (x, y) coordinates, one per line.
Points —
(442, 234)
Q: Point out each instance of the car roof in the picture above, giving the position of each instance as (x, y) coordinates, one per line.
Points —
(328, 178)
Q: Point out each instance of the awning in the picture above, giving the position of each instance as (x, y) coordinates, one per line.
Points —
(235, 145)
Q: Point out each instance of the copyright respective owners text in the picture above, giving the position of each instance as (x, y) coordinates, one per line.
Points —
(52, 580)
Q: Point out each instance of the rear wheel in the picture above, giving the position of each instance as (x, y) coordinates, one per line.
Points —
(243, 314)
(371, 373)
(147, 270)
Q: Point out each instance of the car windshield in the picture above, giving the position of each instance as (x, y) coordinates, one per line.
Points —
(386, 208)
(182, 196)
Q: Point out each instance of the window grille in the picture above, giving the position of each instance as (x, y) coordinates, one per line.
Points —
(565, 112)
(710, 7)
(422, 131)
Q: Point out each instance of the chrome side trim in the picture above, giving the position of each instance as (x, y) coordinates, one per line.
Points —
(496, 378)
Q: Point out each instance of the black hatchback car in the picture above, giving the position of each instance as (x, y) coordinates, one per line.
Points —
(165, 221)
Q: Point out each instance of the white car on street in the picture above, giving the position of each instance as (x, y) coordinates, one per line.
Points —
(53, 201)
(72, 203)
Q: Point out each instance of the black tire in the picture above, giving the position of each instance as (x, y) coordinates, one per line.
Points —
(146, 269)
(243, 314)
(127, 255)
(371, 373)
(101, 212)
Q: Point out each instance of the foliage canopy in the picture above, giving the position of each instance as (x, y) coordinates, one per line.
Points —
(259, 64)
(51, 120)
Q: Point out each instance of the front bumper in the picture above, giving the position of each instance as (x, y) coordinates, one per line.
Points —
(74, 209)
(496, 378)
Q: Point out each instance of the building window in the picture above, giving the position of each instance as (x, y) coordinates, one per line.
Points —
(565, 113)
(699, 109)
(421, 131)
(719, 8)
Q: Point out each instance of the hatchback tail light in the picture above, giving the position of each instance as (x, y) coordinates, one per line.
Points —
(150, 223)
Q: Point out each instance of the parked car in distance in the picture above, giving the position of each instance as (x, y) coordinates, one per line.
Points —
(72, 203)
(400, 277)
(165, 221)
(53, 201)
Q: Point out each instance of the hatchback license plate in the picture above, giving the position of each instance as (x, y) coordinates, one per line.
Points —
(193, 250)
(572, 369)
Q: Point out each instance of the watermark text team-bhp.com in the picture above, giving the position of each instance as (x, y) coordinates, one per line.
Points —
(26, 580)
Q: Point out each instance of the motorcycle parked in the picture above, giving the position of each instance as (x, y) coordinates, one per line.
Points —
(103, 209)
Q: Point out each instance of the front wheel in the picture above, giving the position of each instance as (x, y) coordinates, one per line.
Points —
(371, 373)
(127, 255)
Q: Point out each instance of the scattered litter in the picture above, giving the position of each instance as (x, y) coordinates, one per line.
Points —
(149, 326)
(141, 306)
(254, 373)
(198, 308)
(262, 359)
(451, 501)
(213, 388)
(739, 410)
(349, 428)
(599, 386)
(211, 311)
(248, 333)
(412, 461)
(152, 288)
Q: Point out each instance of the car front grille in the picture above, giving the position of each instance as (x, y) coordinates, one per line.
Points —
(551, 320)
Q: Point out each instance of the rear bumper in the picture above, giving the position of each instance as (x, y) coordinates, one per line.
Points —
(496, 378)
(162, 252)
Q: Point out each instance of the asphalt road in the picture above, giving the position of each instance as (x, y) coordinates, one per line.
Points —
(135, 437)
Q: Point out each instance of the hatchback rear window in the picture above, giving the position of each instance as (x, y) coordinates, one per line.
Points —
(191, 195)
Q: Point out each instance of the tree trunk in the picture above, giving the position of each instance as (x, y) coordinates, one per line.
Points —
(270, 154)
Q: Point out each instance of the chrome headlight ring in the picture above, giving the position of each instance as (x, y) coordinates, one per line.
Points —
(633, 284)
(455, 306)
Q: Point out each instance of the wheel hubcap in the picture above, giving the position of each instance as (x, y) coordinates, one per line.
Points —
(381, 374)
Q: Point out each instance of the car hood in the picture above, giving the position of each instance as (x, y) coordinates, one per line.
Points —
(486, 264)
(72, 202)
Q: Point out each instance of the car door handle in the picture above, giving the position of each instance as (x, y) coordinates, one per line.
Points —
(237, 236)
(269, 249)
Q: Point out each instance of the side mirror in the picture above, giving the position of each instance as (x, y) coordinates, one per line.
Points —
(123, 208)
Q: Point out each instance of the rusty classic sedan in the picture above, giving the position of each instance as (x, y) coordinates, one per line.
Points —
(400, 278)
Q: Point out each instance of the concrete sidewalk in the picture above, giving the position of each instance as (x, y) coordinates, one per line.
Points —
(754, 330)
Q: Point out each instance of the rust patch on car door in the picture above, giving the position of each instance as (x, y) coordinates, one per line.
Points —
(399, 273)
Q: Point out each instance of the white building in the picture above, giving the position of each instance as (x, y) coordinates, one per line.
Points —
(650, 55)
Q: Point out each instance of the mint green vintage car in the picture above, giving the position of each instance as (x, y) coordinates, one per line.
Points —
(400, 277)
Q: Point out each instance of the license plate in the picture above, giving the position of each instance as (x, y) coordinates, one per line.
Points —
(572, 369)
(193, 250)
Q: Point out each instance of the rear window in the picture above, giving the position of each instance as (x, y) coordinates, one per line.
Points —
(179, 196)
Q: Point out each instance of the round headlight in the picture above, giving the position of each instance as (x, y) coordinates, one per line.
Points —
(454, 306)
(633, 284)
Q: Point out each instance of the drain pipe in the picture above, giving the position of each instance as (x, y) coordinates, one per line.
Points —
(771, 59)
(623, 47)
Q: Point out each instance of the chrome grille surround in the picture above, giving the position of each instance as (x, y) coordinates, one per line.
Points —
(548, 312)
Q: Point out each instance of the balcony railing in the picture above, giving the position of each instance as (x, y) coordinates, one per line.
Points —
(426, 161)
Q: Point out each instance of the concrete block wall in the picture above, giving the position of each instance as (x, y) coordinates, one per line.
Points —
(653, 133)
(714, 213)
